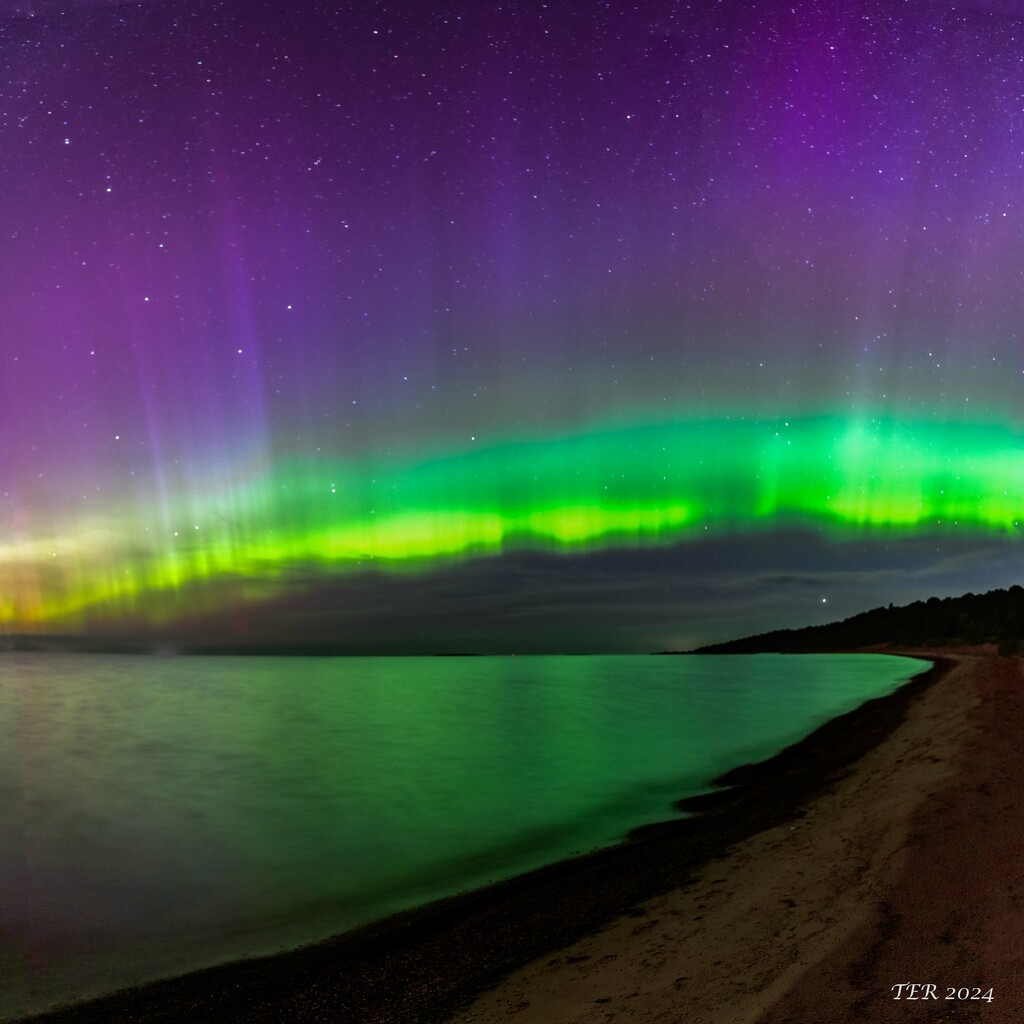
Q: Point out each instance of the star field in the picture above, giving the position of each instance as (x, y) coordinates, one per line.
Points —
(293, 299)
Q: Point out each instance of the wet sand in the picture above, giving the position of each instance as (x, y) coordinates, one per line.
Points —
(802, 894)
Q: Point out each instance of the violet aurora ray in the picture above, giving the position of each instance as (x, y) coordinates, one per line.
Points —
(332, 309)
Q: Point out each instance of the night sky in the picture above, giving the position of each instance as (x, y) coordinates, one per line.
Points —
(506, 326)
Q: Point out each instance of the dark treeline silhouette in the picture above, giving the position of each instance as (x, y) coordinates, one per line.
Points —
(996, 617)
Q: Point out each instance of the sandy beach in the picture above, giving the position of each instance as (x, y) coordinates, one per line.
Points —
(883, 849)
(908, 870)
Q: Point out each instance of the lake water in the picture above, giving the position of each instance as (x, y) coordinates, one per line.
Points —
(161, 814)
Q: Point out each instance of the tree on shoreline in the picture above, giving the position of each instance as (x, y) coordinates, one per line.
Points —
(995, 617)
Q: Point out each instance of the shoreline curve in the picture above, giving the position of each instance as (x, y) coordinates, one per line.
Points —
(422, 965)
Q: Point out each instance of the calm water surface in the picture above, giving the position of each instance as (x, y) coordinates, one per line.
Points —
(166, 813)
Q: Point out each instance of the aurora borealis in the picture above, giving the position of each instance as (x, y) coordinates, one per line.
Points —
(505, 326)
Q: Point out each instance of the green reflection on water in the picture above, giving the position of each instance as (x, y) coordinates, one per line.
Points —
(234, 805)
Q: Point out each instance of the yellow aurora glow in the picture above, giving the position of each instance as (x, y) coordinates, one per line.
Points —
(647, 485)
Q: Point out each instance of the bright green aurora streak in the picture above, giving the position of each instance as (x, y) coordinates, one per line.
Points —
(640, 485)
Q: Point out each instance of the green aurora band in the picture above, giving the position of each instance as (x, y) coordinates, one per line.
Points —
(654, 484)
